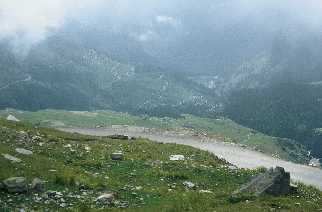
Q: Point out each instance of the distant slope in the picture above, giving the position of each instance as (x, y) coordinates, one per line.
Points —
(221, 129)
(63, 74)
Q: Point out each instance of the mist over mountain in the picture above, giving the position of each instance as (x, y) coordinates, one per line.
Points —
(256, 62)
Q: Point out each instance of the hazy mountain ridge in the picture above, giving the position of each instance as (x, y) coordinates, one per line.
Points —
(64, 74)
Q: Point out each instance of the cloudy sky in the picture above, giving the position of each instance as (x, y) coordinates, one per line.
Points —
(26, 22)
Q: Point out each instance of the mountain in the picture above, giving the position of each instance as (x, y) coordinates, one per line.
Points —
(261, 67)
(281, 94)
(61, 73)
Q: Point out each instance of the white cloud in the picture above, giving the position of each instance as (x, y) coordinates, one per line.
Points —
(147, 36)
(162, 19)
(26, 22)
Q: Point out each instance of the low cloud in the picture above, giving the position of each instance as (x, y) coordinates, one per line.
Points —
(25, 23)
(168, 20)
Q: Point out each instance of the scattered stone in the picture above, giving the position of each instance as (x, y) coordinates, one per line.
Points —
(119, 137)
(38, 185)
(232, 168)
(12, 118)
(274, 182)
(87, 148)
(23, 136)
(117, 156)
(206, 192)
(106, 199)
(176, 157)
(314, 162)
(68, 146)
(54, 195)
(63, 205)
(188, 184)
(15, 185)
(36, 138)
(24, 151)
(138, 188)
(11, 158)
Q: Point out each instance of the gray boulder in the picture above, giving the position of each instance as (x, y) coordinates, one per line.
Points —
(274, 182)
(24, 151)
(12, 118)
(38, 185)
(117, 156)
(1, 186)
(107, 198)
(15, 185)
(11, 158)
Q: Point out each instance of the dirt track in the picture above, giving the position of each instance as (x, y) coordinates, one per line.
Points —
(234, 154)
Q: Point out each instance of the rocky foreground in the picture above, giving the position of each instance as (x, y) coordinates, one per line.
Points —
(44, 169)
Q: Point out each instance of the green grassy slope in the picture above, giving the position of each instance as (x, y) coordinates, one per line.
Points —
(146, 180)
(222, 129)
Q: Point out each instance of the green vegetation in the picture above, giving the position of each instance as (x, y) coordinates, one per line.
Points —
(146, 180)
(289, 110)
(221, 129)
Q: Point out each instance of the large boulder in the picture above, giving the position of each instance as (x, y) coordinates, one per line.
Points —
(15, 185)
(12, 118)
(274, 182)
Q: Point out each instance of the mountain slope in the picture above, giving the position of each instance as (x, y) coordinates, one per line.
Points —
(221, 129)
(78, 169)
(60, 73)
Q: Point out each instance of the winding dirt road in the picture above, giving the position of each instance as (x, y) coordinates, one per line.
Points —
(241, 157)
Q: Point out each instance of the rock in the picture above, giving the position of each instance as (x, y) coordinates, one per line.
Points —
(188, 184)
(176, 157)
(15, 185)
(38, 185)
(119, 137)
(24, 151)
(12, 118)
(23, 136)
(54, 194)
(117, 156)
(138, 188)
(11, 158)
(87, 148)
(106, 199)
(206, 192)
(315, 162)
(232, 168)
(274, 182)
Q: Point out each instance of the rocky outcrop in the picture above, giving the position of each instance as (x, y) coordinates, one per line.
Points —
(274, 182)
(12, 118)
(15, 185)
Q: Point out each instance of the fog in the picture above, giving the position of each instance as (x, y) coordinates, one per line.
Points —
(25, 23)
